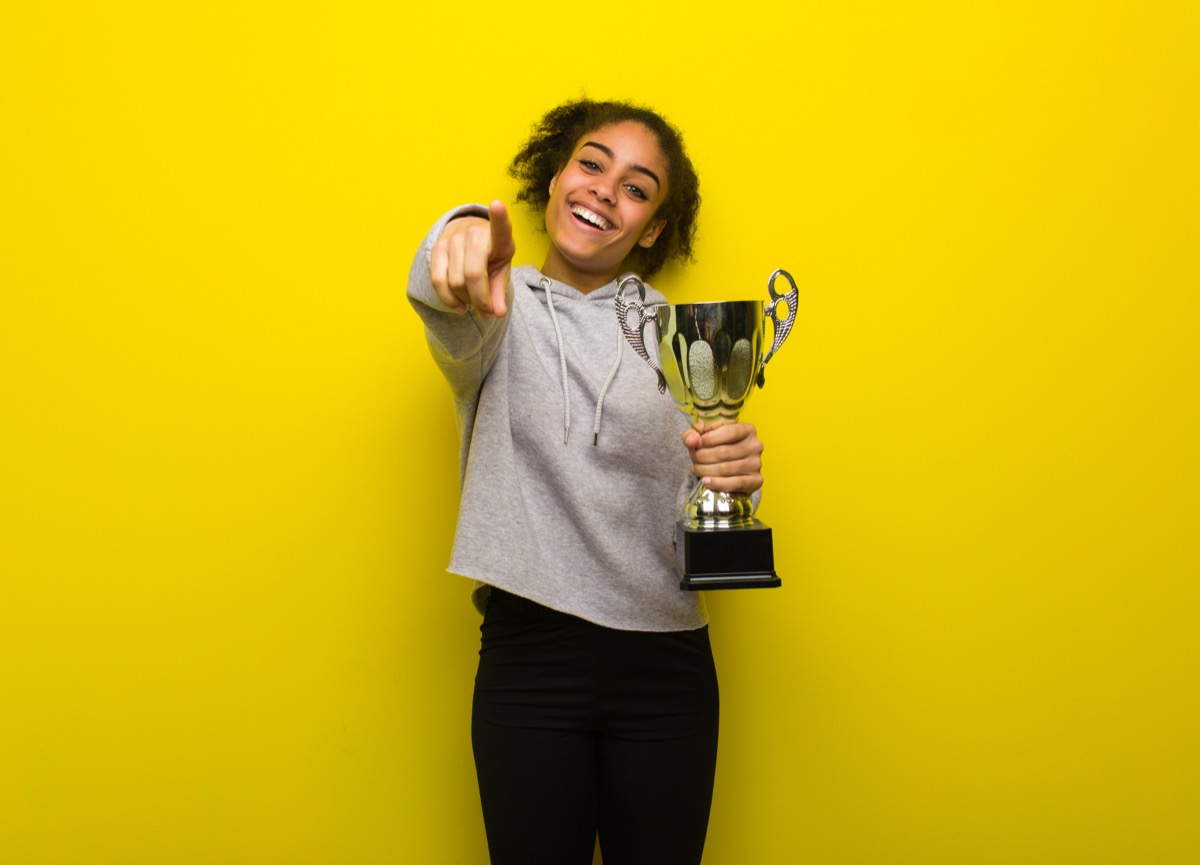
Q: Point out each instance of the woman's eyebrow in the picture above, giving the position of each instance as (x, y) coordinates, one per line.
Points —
(608, 150)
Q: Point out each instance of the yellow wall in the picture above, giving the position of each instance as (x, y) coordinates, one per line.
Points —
(227, 464)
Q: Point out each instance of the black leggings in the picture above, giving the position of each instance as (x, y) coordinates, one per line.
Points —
(580, 729)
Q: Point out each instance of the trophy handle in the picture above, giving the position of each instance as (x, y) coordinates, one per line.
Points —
(781, 329)
(634, 308)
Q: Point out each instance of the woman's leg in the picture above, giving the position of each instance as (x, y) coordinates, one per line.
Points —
(537, 789)
(535, 756)
(658, 756)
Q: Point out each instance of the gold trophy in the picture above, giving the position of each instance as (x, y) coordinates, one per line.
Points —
(710, 356)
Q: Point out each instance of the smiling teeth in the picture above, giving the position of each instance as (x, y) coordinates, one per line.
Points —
(592, 218)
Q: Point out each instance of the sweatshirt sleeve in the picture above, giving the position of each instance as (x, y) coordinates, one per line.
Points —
(463, 345)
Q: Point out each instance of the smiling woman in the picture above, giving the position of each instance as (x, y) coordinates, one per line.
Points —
(595, 709)
(603, 203)
(558, 137)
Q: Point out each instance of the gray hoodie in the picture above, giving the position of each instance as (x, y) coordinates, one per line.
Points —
(572, 464)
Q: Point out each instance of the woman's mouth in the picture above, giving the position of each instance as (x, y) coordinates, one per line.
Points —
(588, 217)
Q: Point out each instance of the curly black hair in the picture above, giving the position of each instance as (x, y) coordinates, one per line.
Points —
(553, 141)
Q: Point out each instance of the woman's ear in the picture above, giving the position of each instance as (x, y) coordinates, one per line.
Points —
(554, 180)
(653, 230)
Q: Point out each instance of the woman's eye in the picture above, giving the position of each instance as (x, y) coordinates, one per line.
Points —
(636, 192)
(589, 165)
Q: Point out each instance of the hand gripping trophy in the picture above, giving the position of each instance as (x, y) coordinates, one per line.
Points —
(710, 355)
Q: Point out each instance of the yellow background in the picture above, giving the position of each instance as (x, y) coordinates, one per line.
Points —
(228, 465)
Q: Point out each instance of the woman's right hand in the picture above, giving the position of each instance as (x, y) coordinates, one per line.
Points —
(471, 261)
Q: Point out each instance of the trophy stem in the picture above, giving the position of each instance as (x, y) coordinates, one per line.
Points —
(708, 509)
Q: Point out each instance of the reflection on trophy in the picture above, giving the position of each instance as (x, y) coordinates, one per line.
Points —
(710, 355)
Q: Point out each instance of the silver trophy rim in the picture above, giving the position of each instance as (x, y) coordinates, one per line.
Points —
(708, 303)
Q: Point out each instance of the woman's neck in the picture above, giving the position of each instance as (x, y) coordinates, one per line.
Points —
(558, 268)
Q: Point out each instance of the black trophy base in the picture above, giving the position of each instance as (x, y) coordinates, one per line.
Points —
(730, 558)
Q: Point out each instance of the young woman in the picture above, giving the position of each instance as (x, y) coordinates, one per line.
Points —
(595, 706)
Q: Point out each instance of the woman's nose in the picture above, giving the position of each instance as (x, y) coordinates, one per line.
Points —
(605, 192)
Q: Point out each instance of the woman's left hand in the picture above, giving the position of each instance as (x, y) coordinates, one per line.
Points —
(726, 458)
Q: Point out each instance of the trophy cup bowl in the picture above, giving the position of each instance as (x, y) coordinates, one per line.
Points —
(710, 356)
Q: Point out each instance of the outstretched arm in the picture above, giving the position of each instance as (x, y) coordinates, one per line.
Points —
(464, 346)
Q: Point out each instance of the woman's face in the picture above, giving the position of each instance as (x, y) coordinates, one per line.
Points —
(602, 204)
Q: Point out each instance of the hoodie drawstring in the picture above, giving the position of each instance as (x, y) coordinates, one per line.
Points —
(562, 358)
(604, 390)
(562, 363)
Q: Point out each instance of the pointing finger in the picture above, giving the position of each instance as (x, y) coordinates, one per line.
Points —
(503, 247)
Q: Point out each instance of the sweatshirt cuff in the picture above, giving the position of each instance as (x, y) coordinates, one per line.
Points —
(466, 210)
